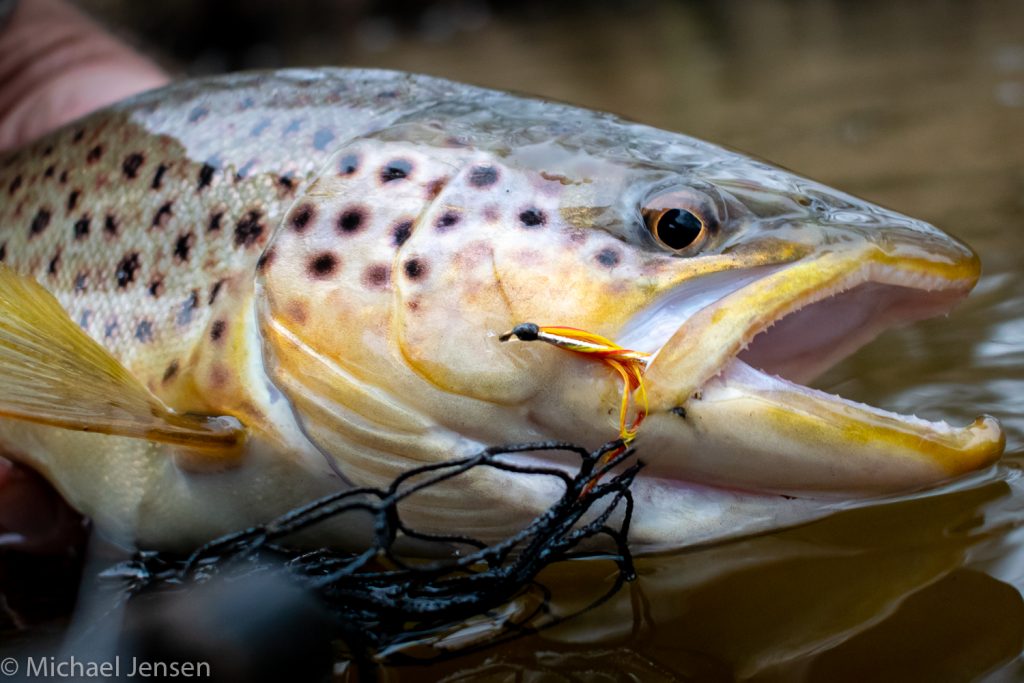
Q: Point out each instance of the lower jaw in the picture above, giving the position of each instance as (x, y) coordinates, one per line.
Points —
(746, 430)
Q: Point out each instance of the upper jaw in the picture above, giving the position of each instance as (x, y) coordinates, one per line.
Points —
(703, 340)
(823, 308)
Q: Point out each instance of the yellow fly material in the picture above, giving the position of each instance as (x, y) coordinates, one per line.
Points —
(628, 363)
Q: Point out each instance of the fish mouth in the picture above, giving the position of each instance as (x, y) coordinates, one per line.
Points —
(732, 353)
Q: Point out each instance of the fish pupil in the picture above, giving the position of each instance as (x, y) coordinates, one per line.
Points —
(678, 228)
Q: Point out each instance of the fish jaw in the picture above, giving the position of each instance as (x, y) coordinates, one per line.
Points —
(720, 414)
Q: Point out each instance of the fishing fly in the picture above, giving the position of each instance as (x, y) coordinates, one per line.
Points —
(630, 365)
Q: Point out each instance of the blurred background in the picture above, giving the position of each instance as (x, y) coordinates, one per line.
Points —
(917, 105)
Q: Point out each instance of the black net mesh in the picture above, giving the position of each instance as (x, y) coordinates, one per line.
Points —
(380, 602)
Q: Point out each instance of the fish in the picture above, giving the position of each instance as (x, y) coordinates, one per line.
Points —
(233, 295)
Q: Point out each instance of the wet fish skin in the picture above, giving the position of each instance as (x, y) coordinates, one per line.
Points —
(329, 257)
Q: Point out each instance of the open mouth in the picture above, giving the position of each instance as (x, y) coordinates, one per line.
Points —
(735, 350)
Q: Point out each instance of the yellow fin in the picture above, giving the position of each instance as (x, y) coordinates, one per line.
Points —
(53, 373)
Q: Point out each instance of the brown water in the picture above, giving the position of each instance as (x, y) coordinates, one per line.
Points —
(918, 106)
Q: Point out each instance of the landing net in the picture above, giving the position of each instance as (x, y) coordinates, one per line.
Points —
(386, 606)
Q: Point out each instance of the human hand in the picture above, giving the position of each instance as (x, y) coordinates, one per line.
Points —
(57, 65)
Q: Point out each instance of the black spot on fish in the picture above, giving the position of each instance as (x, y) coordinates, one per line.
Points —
(483, 176)
(301, 217)
(351, 220)
(110, 224)
(217, 330)
(198, 113)
(531, 218)
(323, 265)
(205, 176)
(15, 185)
(48, 150)
(292, 127)
(376, 276)
(54, 264)
(126, 269)
(83, 319)
(63, 177)
(39, 222)
(248, 229)
(187, 307)
(214, 291)
(260, 126)
(144, 331)
(265, 259)
(395, 170)
(162, 215)
(183, 246)
(82, 228)
(415, 268)
(3, 252)
(156, 287)
(287, 182)
(401, 233)
(94, 154)
(158, 177)
(79, 134)
(447, 221)
(348, 164)
(171, 371)
(608, 258)
(130, 165)
(73, 200)
(214, 224)
(81, 279)
(110, 329)
(50, 170)
(322, 138)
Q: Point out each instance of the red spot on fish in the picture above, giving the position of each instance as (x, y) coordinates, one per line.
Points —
(297, 312)
(377, 276)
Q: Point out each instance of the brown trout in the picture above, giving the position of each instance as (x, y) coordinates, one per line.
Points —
(229, 296)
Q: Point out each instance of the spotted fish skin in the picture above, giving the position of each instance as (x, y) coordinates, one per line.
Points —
(142, 218)
(147, 221)
(331, 257)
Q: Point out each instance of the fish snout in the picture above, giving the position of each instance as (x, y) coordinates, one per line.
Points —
(896, 237)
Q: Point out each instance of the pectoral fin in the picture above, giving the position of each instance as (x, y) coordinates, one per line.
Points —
(53, 373)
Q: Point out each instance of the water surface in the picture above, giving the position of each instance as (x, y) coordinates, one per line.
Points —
(918, 106)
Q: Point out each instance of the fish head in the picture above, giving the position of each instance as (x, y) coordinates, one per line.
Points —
(384, 295)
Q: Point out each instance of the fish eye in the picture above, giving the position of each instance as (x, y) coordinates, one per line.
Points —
(676, 229)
